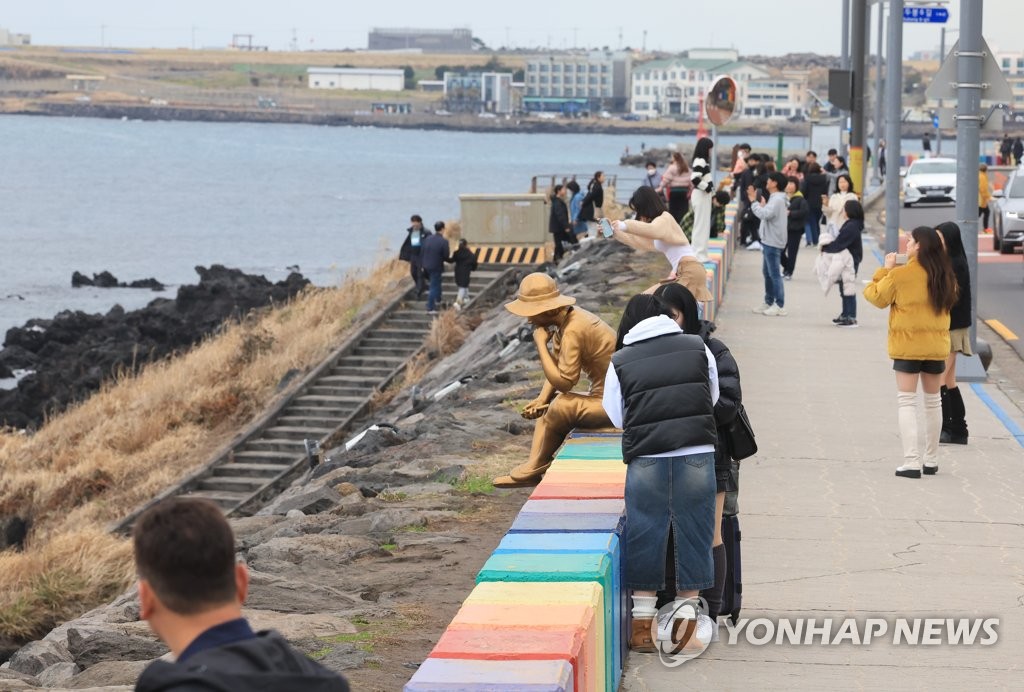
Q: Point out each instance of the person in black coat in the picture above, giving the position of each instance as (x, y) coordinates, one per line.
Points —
(849, 238)
(815, 185)
(683, 307)
(1018, 151)
(435, 253)
(748, 222)
(593, 200)
(796, 226)
(954, 415)
(558, 222)
(410, 251)
(465, 263)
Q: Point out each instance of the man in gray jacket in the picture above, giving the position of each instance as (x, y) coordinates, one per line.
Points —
(773, 239)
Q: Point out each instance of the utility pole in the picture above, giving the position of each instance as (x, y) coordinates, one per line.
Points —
(893, 112)
(193, 37)
(969, 63)
(942, 56)
(878, 89)
(103, 35)
(844, 64)
(860, 63)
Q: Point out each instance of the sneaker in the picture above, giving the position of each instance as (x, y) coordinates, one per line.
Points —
(787, 277)
(847, 322)
(908, 471)
(754, 246)
(775, 311)
(837, 320)
(761, 308)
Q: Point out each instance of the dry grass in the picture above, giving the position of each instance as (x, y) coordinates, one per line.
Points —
(95, 462)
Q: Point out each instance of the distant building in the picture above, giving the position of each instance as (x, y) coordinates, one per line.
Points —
(1012, 65)
(427, 40)
(676, 86)
(355, 78)
(478, 92)
(578, 82)
(9, 38)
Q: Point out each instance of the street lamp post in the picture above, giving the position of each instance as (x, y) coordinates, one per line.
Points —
(893, 108)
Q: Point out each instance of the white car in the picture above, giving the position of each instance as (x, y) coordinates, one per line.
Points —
(930, 180)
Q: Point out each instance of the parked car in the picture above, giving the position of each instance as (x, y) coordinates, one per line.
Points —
(632, 117)
(1008, 214)
(930, 180)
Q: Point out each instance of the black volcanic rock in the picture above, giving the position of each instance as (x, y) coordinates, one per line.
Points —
(73, 353)
(107, 280)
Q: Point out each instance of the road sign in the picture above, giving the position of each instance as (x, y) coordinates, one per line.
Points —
(925, 15)
(943, 84)
(935, 121)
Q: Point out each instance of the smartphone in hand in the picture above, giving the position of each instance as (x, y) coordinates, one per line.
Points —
(606, 228)
(901, 259)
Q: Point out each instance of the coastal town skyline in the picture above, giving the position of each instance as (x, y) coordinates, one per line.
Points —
(318, 25)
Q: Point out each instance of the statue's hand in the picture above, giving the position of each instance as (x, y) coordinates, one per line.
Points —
(541, 336)
(535, 409)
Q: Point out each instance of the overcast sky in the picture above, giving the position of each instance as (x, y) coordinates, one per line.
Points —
(752, 26)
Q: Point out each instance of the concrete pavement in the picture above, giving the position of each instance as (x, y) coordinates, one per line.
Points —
(830, 532)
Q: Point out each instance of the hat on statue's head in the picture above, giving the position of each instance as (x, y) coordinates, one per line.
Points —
(538, 293)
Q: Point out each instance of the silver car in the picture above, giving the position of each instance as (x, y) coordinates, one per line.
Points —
(1008, 212)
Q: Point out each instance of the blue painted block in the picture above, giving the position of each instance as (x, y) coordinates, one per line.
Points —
(556, 567)
(463, 675)
(613, 506)
(606, 543)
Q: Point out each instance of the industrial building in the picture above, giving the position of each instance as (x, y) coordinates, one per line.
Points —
(355, 78)
(426, 40)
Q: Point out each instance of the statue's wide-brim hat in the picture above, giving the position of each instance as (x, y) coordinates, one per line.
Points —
(538, 293)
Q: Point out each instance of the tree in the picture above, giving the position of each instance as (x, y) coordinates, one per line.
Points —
(410, 77)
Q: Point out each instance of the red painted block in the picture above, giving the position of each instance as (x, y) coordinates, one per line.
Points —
(506, 644)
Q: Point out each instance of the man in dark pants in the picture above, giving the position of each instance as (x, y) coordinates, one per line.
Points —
(436, 252)
(558, 223)
(191, 591)
(410, 252)
(796, 224)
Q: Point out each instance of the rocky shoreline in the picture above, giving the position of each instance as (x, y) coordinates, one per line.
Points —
(363, 561)
(69, 356)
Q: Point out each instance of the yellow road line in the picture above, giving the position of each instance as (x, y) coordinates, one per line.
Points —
(1001, 329)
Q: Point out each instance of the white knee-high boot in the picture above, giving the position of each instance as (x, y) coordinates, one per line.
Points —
(932, 430)
(907, 414)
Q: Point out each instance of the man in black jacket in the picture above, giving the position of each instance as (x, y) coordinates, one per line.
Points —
(558, 222)
(191, 592)
(436, 252)
(410, 252)
(796, 224)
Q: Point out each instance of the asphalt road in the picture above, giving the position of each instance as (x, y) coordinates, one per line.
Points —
(1000, 278)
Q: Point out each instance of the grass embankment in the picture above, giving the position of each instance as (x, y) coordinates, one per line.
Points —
(97, 461)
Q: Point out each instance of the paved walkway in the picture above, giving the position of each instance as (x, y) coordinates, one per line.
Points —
(830, 532)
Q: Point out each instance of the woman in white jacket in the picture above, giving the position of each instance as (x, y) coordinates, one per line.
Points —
(703, 186)
(833, 207)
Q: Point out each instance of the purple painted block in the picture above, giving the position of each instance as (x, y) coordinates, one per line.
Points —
(614, 506)
(467, 675)
(567, 522)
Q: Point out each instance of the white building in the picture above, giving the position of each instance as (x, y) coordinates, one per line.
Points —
(9, 38)
(675, 87)
(478, 92)
(1012, 65)
(571, 82)
(355, 79)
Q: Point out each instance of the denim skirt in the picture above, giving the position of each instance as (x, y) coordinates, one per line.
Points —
(676, 492)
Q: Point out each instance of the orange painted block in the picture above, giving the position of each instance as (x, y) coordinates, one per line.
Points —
(579, 491)
(540, 617)
(505, 644)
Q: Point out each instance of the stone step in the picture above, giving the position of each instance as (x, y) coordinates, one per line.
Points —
(387, 363)
(255, 470)
(244, 485)
(361, 381)
(371, 373)
(287, 447)
(338, 390)
(308, 422)
(225, 499)
(322, 400)
(266, 457)
(385, 350)
(398, 333)
(335, 413)
(406, 343)
(296, 433)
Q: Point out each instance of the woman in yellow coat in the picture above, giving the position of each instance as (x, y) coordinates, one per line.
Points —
(919, 296)
(984, 195)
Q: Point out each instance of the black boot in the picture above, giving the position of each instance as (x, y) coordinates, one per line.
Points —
(954, 419)
(713, 596)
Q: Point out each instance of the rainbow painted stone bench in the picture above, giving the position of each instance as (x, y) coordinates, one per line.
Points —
(548, 612)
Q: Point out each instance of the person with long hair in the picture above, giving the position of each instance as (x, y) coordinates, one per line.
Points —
(815, 189)
(834, 206)
(849, 238)
(683, 308)
(703, 183)
(590, 206)
(655, 230)
(670, 380)
(919, 296)
(675, 182)
(954, 415)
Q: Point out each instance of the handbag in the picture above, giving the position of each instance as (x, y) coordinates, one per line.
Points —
(739, 436)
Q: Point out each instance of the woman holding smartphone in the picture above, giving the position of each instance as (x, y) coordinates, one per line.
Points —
(919, 295)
